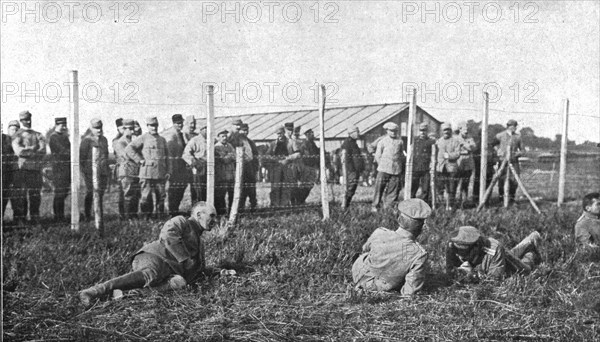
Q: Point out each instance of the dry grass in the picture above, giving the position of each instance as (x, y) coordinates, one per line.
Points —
(292, 283)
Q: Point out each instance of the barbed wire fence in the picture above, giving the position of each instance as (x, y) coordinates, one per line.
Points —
(295, 188)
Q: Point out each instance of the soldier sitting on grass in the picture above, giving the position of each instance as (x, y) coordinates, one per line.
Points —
(587, 228)
(471, 255)
(393, 260)
(172, 261)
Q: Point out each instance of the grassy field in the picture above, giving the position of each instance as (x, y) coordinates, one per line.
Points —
(293, 283)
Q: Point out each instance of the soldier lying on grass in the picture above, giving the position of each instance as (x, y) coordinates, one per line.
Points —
(393, 260)
(471, 255)
(587, 228)
(172, 261)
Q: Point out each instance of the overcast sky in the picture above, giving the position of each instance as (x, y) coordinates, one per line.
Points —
(153, 58)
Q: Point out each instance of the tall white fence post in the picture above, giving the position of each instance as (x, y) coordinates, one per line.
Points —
(484, 148)
(74, 122)
(323, 169)
(210, 147)
(563, 154)
(412, 112)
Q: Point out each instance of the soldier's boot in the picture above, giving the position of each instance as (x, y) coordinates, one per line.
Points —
(530, 244)
(132, 280)
(174, 283)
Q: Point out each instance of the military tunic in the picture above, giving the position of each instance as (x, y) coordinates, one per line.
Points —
(389, 156)
(29, 146)
(150, 151)
(447, 168)
(179, 240)
(60, 148)
(421, 163)
(283, 172)
(127, 175)
(9, 165)
(355, 165)
(86, 163)
(502, 141)
(392, 260)
(224, 176)
(194, 154)
(587, 230)
(180, 173)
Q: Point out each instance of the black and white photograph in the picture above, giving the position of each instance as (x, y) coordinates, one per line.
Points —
(302, 170)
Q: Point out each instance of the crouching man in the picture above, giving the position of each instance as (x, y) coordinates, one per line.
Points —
(472, 255)
(169, 263)
(393, 260)
(587, 228)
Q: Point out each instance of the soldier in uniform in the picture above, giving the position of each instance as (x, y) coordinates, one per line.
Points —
(29, 146)
(281, 153)
(311, 160)
(224, 173)
(390, 170)
(97, 139)
(472, 255)
(353, 160)
(128, 171)
(394, 260)
(195, 157)
(60, 148)
(180, 173)
(465, 162)
(9, 165)
(294, 168)
(120, 129)
(421, 163)
(587, 228)
(250, 167)
(169, 263)
(447, 166)
(151, 153)
(503, 141)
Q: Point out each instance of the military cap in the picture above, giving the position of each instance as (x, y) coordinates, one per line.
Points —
(279, 129)
(223, 132)
(308, 131)
(415, 208)
(511, 122)
(352, 129)
(462, 124)
(190, 118)
(60, 121)
(423, 126)
(237, 122)
(176, 118)
(128, 123)
(24, 115)
(96, 123)
(201, 124)
(151, 120)
(390, 126)
(119, 122)
(14, 123)
(465, 236)
(297, 129)
(446, 126)
(244, 126)
(289, 126)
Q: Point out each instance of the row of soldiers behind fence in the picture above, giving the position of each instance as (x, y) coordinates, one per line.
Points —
(152, 167)
(455, 163)
(165, 164)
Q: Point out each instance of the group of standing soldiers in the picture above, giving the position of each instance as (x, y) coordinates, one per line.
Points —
(456, 163)
(293, 165)
(150, 167)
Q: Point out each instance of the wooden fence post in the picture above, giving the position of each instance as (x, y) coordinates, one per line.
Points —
(484, 149)
(323, 170)
(563, 154)
(507, 179)
(412, 112)
(74, 122)
(98, 214)
(210, 147)
(237, 190)
(432, 172)
(344, 158)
